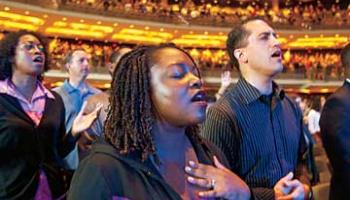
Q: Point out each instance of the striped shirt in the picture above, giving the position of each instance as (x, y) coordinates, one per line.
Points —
(261, 135)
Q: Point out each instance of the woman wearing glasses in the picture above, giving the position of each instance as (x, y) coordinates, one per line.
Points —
(32, 132)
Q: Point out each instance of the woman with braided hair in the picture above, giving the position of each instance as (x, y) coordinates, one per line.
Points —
(152, 148)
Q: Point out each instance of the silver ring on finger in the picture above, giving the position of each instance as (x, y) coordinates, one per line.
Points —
(212, 184)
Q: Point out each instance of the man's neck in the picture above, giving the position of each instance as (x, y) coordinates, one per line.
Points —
(77, 83)
(262, 83)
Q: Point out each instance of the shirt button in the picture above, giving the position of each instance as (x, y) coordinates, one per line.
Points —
(149, 173)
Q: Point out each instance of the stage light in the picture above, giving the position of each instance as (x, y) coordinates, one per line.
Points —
(72, 32)
(21, 18)
(17, 25)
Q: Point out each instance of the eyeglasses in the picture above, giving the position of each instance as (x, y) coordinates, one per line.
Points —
(31, 46)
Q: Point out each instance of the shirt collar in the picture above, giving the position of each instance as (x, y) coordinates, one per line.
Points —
(249, 93)
(44, 90)
(7, 87)
(70, 89)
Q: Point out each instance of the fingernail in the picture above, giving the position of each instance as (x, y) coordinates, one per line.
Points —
(188, 169)
(192, 163)
(190, 179)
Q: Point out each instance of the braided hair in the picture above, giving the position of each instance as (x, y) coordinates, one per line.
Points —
(131, 113)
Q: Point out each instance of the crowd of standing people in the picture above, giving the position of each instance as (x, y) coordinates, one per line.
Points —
(151, 136)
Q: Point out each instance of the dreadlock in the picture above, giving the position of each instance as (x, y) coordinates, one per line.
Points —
(131, 114)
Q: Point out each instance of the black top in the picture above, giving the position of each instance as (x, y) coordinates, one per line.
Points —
(260, 135)
(106, 174)
(335, 134)
(26, 148)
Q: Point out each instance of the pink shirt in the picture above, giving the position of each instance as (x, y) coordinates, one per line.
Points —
(34, 109)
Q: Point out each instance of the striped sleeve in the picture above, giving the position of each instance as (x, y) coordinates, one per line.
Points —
(218, 129)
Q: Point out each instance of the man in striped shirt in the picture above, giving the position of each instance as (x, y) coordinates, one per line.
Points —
(257, 127)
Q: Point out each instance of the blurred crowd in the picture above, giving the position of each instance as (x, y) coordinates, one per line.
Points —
(190, 12)
(310, 64)
(314, 65)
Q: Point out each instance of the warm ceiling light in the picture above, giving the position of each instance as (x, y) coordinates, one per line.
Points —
(115, 24)
(282, 40)
(318, 42)
(79, 26)
(73, 32)
(106, 29)
(138, 38)
(107, 85)
(64, 19)
(17, 25)
(307, 91)
(206, 33)
(45, 16)
(126, 31)
(323, 39)
(205, 37)
(82, 21)
(161, 29)
(27, 12)
(324, 90)
(6, 8)
(197, 42)
(131, 26)
(191, 32)
(56, 84)
(85, 27)
(60, 24)
(21, 18)
(99, 22)
(146, 28)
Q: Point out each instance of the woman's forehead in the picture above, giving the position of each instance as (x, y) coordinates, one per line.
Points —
(171, 56)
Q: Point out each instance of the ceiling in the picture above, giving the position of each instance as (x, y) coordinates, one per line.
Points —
(82, 26)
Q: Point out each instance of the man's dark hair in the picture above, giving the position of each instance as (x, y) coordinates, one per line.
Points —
(131, 112)
(316, 103)
(237, 38)
(8, 47)
(345, 59)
